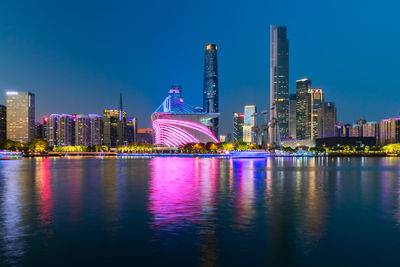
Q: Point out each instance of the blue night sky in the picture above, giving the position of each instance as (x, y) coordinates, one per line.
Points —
(76, 56)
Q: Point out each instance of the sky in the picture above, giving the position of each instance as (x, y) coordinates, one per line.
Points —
(77, 56)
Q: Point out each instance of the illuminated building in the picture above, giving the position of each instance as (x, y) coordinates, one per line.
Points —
(222, 137)
(3, 122)
(389, 131)
(176, 123)
(210, 86)
(145, 136)
(302, 87)
(52, 128)
(39, 130)
(65, 125)
(113, 127)
(20, 116)
(249, 122)
(326, 120)
(131, 130)
(94, 130)
(238, 122)
(314, 100)
(370, 129)
(292, 116)
(82, 130)
(279, 78)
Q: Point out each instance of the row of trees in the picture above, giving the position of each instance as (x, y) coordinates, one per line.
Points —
(80, 149)
(37, 145)
(135, 148)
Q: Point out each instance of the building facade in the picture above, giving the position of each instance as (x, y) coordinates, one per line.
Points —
(65, 125)
(94, 130)
(145, 136)
(114, 127)
(210, 85)
(327, 120)
(20, 116)
(292, 116)
(3, 122)
(238, 122)
(279, 77)
(302, 88)
(131, 130)
(314, 101)
(249, 122)
(389, 131)
(82, 130)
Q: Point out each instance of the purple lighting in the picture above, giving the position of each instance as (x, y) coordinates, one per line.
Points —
(174, 133)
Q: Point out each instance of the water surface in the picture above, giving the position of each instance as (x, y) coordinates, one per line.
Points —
(200, 212)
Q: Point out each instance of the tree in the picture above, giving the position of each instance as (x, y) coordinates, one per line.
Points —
(37, 145)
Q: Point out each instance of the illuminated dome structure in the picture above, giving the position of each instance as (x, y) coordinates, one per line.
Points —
(176, 123)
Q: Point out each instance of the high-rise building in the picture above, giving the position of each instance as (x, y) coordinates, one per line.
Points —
(210, 86)
(371, 129)
(52, 129)
(279, 77)
(39, 130)
(113, 128)
(327, 120)
(315, 99)
(64, 130)
(292, 116)
(94, 130)
(238, 121)
(3, 122)
(20, 116)
(249, 122)
(82, 130)
(389, 131)
(302, 88)
(131, 130)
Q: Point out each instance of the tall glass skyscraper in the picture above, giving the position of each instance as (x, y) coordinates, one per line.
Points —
(279, 77)
(20, 116)
(210, 85)
(302, 87)
(238, 121)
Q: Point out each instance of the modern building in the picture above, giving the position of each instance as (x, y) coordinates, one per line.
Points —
(176, 123)
(292, 116)
(82, 130)
(249, 121)
(20, 116)
(389, 131)
(39, 130)
(314, 100)
(355, 130)
(52, 129)
(131, 130)
(238, 122)
(327, 120)
(302, 88)
(145, 136)
(279, 78)
(114, 127)
(210, 85)
(64, 131)
(370, 129)
(3, 122)
(94, 130)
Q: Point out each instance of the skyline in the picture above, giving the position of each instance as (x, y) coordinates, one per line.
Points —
(39, 58)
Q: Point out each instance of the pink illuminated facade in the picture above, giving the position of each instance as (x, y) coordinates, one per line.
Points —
(176, 123)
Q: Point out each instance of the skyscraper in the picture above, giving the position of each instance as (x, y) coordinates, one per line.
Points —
(210, 85)
(64, 130)
(238, 121)
(82, 130)
(20, 116)
(279, 77)
(95, 130)
(302, 87)
(292, 116)
(3, 122)
(389, 131)
(52, 128)
(113, 130)
(249, 122)
(327, 120)
(315, 99)
(131, 130)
